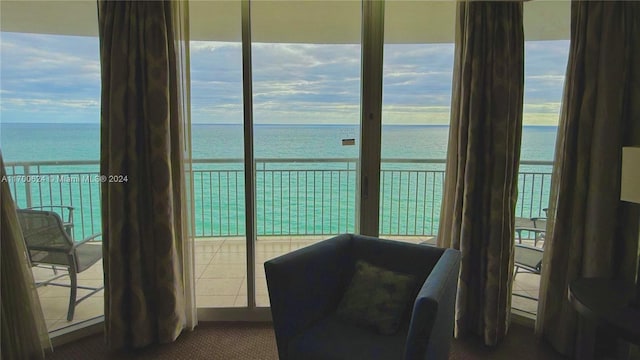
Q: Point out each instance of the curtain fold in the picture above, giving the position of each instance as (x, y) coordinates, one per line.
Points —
(24, 331)
(143, 122)
(482, 162)
(591, 233)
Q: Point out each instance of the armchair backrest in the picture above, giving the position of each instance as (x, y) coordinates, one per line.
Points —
(414, 259)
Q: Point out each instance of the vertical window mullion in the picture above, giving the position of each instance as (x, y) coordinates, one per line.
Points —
(249, 168)
(371, 117)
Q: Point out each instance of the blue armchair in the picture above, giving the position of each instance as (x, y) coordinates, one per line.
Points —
(306, 286)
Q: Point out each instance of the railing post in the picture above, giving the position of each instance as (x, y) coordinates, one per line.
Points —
(27, 185)
(356, 203)
(533, 193)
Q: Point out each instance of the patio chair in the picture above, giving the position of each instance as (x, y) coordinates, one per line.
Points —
(66, 214)
(529, 259)
(535, 225)
(48, 243)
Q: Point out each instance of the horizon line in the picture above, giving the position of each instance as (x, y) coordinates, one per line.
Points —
(236, 124)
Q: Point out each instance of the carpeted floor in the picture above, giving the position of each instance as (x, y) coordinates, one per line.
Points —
(256, 341)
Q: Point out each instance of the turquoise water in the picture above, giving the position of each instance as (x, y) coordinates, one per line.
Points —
(39, 142)
(302, 197)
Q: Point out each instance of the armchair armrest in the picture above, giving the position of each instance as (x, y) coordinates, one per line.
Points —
(304, 286)
(431, 327)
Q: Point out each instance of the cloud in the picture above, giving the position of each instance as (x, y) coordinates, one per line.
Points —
(292, 82)
(542, 119)
(547, 77)
(50, 104)
(548, 108)
(211, 46)
(55, 55)
(48, 74)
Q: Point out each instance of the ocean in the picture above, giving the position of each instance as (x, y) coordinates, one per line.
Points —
(45, 142)
(305, 180)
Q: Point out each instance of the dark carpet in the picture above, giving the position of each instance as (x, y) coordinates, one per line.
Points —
(256, 341)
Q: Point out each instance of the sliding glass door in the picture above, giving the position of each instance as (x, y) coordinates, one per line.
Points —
(306, 109)
(544, 82)
(218, 167)
(50, 139)
(416, 104)
(313, 133)
(345, 120)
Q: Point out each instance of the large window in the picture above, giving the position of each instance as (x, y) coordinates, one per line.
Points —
(219, 200)
(306, 102)
(415, 117)
(306, 78)
(545, 66)
(50, 136)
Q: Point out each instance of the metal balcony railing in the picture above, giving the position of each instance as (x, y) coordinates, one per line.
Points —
(294, 196)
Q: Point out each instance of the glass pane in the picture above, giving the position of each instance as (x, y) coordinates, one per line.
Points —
(306, 115)
(416, 104)
(50, 140)
(218, 152)
(545, 66)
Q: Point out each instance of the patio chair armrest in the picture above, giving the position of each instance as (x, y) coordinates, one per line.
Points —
(536, 231)
(70, 209)
(86, 240)
(536, 219)
(532, 229)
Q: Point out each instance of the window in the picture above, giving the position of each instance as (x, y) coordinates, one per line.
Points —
(415, 117)
(545, 66)
(218, 149)
(50, 140)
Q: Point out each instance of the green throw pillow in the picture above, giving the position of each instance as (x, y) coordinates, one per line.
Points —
(377, 297)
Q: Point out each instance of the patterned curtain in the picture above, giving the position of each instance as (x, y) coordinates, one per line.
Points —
(142, 138)
(24, 331)
(482, 162)
(592, 233)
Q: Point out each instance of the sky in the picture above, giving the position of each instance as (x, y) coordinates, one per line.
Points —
(56, 78)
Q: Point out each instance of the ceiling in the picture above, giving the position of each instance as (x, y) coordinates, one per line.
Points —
(300, 21)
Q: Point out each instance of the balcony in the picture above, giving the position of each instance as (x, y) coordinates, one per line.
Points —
(299, 202)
